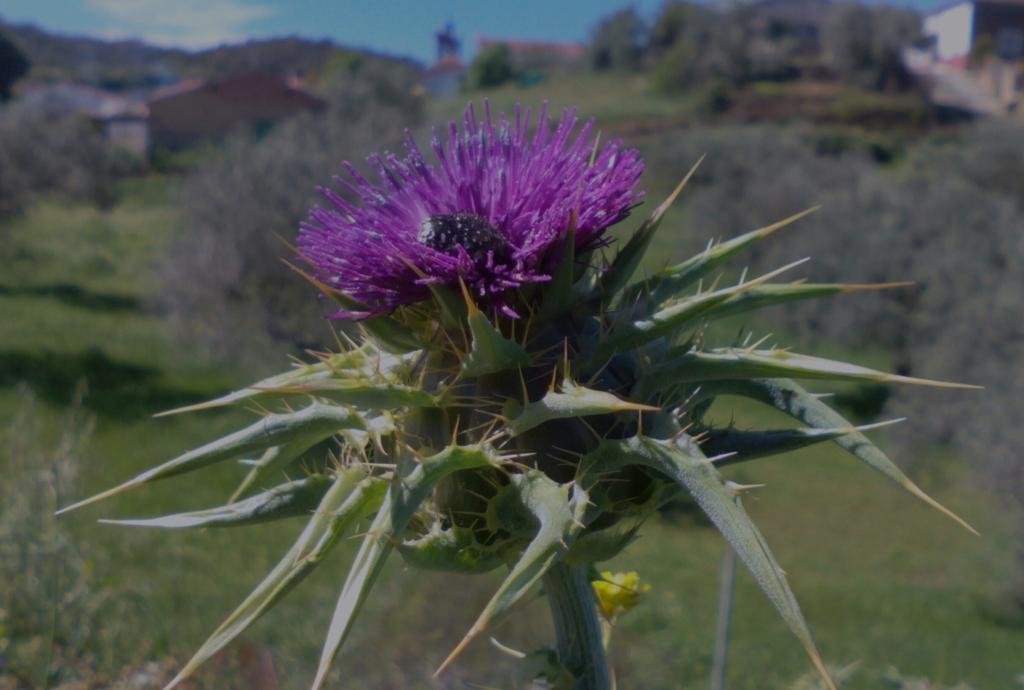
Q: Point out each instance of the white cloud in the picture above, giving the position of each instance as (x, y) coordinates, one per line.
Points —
(182, 23)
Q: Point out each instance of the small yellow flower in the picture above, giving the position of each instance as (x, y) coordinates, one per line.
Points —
(618, 592)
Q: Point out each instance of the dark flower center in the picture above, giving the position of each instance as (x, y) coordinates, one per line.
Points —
(446, 232)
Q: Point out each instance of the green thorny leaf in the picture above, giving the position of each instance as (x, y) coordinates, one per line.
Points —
(686, 366)
(771, 294)
(451, 548)
(751, 299)
(272, 461)
(287, 500)
(559, 519)
(630, 333)
(364, 376)
(276, 459)
(732, 445)
(309, 425)
(681, 459)
(602, 545)
(559, 296)
(792, 399)
(541, 665)
(628, 259)
(352, 496)
(674, 279)
(408, 490)
(569, 400)
(490, 351)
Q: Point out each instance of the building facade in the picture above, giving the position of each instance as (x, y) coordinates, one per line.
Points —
(192, 112)
(960, 28)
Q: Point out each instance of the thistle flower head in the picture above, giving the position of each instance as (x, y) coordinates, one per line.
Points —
(491, 210)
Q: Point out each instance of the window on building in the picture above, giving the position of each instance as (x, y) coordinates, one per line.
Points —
(1010, 43)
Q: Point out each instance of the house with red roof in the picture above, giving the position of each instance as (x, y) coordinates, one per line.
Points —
(540, 56)
(191, 111)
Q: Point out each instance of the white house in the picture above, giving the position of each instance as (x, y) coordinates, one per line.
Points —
(122, 120)
(957, 28)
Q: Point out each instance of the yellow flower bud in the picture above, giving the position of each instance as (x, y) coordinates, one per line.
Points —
(618, 592)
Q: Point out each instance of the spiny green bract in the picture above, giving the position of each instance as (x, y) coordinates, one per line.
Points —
(474, 440)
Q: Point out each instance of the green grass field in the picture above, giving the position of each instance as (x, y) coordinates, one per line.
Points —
(883, 580)
(614, 101)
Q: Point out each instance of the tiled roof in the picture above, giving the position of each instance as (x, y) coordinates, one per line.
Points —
(567, 50)
(254, 86)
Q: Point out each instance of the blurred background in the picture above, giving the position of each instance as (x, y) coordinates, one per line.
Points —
(155, 160)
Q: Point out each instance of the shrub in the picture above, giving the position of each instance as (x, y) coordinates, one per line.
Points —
(694, 45)
(983, 48)
(672, 25)
(40, 566)
(239, 209)
(13, 66)
(864, 45)
(676, 70)
(64, 156)
(710, 46)
(492, 67)
(968, 309)
(732, 188)
(717, 97)
(618, 41)
(713, 49)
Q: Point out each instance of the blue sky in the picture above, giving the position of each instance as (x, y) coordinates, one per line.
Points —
(403, 27)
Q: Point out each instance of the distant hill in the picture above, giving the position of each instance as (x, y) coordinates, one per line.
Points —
(132, 64)
(116, 64)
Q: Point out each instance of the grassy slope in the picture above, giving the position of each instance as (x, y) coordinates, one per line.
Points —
(614, 101)
(881, 578)
(73, 297)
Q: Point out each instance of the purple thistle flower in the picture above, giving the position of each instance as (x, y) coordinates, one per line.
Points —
(492, 212)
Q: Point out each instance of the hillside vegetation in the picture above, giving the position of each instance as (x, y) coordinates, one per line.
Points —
(130, 64)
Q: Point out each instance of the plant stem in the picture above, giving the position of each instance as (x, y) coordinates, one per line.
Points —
(577, 628)
(727, 580)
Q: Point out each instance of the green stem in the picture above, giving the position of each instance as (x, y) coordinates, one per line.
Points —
(577, 628)
(725, 594)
